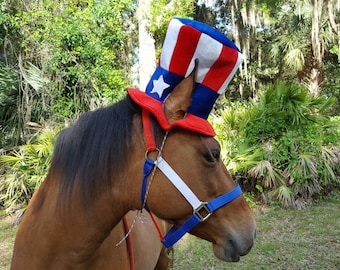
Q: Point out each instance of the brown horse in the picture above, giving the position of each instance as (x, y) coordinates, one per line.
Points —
(95, 178)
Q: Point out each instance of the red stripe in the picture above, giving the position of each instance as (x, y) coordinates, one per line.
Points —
(221, 69)
(184, 50)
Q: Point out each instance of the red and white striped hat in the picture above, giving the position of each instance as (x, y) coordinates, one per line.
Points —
(187, 40)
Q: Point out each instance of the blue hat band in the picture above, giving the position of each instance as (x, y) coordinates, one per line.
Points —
(162, 83)
(202, 101)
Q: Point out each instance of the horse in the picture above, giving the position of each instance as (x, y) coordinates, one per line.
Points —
(100, 168)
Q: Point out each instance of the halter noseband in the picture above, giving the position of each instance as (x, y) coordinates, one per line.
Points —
(201, 210)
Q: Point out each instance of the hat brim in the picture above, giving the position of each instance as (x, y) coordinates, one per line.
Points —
(189, 121)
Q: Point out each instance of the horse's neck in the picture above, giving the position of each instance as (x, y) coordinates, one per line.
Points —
(73, 233)
(70, 238)
(88, 228)
(56, 236)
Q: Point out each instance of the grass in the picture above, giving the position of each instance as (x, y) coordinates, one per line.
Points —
(7, 233)
(287, 239)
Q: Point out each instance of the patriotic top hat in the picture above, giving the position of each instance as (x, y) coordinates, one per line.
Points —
(218, 60)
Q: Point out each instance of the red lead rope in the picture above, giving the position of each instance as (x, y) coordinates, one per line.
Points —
(161, 236)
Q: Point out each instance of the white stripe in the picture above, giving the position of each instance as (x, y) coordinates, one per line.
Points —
(208, 50)
(170, 43)
(231, 75)
(178, 182)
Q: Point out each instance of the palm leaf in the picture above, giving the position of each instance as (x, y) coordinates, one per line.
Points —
(283, 194)
(25, 168)
(270, 176)
(295, 59)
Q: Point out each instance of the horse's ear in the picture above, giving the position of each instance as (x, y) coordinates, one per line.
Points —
(178, 102)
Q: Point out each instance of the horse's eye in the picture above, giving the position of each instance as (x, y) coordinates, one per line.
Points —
(216, 154)
(212, 156)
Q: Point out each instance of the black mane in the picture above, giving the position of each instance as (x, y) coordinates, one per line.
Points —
(94, 148)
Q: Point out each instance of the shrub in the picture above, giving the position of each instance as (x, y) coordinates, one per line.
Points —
(24, 169)
(284, 143)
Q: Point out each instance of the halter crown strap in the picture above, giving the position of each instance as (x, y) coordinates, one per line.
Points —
(148, 132)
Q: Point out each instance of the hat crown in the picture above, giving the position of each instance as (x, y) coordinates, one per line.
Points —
(186, 43)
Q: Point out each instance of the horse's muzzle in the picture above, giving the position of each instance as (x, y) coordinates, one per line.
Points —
(234, 247)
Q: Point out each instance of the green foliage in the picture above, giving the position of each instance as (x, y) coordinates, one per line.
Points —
(284, 143)
(61, 58)
(162, 11)
(84, 48)
(9, 124)
(24, 169)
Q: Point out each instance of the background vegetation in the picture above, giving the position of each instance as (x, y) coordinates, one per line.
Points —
(278, 122)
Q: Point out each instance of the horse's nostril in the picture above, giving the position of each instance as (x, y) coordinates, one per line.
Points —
(241, 247)
(234, 245)
(231, 241)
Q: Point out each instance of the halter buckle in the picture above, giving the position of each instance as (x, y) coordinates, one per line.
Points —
(203, 212)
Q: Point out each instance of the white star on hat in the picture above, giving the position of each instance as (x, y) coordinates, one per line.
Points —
(159, 86)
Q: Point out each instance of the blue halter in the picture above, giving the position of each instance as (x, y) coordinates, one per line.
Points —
(200, 213)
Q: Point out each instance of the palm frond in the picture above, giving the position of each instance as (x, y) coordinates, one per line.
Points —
(306, 166)
(35, 77)
(328, 162)
(271, 177)
(283, 194)
(24, 170)
(295, 59)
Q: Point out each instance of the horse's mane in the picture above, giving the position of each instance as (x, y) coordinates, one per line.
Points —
(93, 149)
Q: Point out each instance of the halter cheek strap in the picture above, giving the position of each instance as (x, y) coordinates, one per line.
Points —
(148, 167)
(177, 182)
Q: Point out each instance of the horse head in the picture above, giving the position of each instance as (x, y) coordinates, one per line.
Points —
(195, 158)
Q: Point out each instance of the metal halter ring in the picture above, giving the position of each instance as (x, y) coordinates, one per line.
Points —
(156, 150)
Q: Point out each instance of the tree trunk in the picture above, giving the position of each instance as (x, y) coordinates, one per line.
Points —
(334, 8)
(147, 54)
(315, 73)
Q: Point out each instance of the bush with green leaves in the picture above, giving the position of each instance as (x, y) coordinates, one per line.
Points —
(84, 49)
(285, 145)
(24, 168)
(61, 58)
